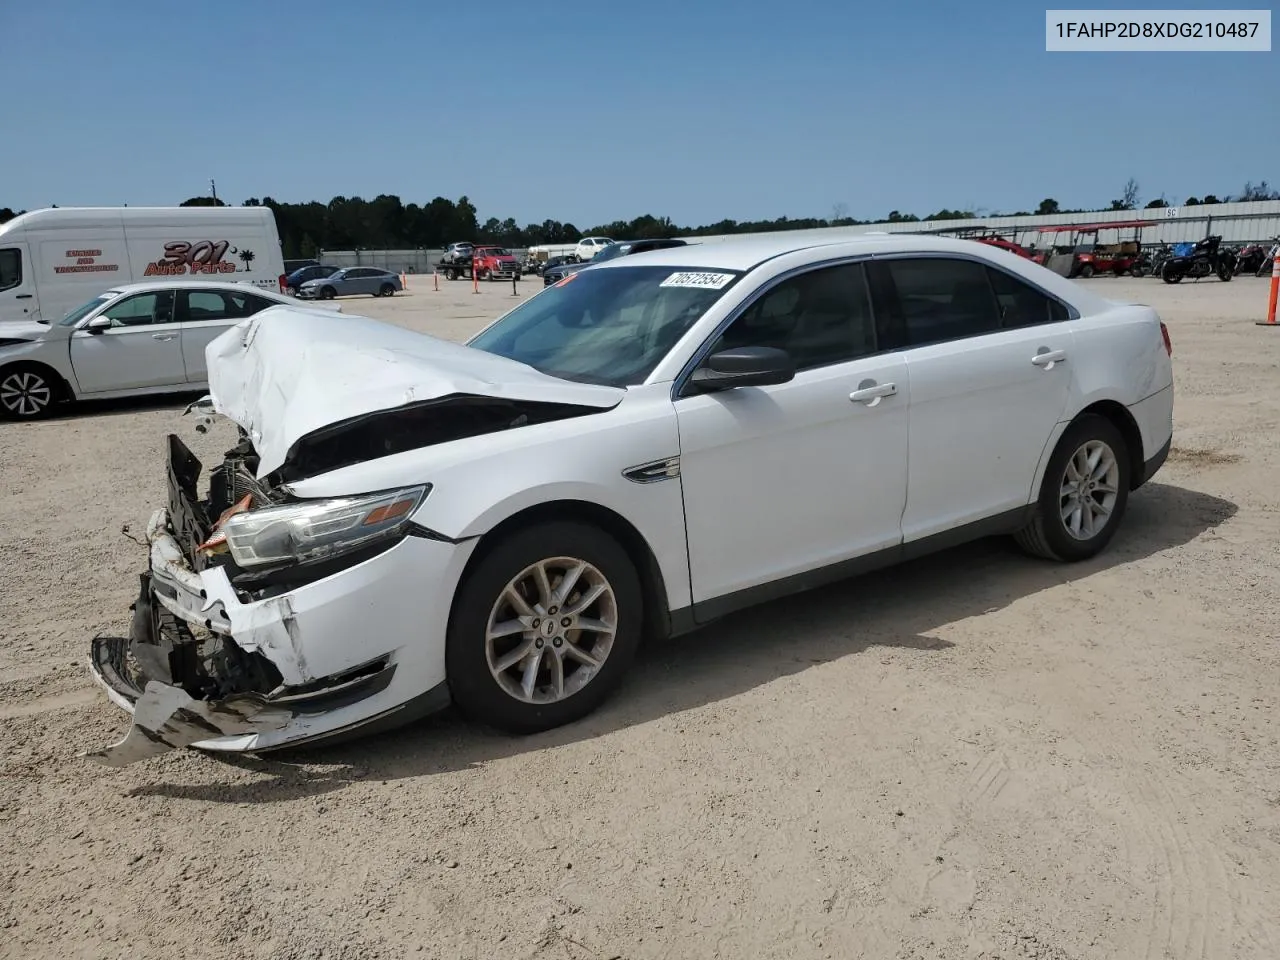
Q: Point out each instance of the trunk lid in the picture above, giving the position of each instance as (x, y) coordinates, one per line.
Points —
(288, 372)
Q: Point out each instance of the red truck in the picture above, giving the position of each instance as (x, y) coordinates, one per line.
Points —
(495, 263)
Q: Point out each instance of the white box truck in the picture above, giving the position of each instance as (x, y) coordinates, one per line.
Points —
(52, 261)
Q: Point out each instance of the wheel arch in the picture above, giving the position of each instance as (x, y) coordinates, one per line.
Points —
(657, 610)
(1123, 421)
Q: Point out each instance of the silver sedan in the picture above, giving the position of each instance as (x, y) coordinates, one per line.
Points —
(132, 340)
(352, 281)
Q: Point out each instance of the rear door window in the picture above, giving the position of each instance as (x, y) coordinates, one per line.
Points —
(937, 299)
(1022, 305)
(221, 305)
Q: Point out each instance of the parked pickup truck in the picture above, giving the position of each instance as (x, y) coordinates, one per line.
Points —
(456, 261)
(495, 263)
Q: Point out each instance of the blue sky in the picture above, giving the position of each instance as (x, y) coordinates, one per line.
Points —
(590, 111)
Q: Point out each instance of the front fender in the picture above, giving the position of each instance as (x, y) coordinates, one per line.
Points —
(479, 482)
(56, 355)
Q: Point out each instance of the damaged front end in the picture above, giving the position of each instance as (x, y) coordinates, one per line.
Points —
(186, 672)
(269, 619)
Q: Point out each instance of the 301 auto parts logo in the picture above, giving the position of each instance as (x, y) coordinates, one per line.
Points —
(182, 258)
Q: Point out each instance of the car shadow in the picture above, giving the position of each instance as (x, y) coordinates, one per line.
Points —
(896, 608)
(122, 406)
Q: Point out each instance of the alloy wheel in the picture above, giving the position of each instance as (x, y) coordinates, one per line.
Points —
(551, 630)
(1088, 490)
(25, 393)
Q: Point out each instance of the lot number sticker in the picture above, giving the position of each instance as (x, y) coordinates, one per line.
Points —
(709, 281)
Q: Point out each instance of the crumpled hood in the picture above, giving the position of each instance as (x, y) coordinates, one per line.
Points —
(23, 330)
(287, 372)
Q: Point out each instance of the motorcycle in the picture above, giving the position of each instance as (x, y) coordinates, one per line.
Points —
(1250, 258)
(1159, 259)
(1264, 268)
(1205, 258)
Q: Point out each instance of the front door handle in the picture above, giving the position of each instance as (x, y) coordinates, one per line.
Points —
(1047, 358)
(23, 296)
(871, 393)
(164, 336)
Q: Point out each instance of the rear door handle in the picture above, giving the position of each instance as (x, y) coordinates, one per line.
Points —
(164, 336)
(23, 296)
(871, 393)
(1047, 358)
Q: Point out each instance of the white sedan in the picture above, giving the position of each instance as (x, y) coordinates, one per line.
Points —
(635, 451)
(132, 340)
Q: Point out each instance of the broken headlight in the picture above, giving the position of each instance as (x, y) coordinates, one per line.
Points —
(316, 529)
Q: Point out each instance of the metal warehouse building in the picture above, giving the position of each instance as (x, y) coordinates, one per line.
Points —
(1255, 221)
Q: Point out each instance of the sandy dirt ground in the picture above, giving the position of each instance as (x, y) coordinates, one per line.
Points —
(973, 756)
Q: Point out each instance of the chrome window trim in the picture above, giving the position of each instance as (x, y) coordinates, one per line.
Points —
(1072, 312)
(700, 354)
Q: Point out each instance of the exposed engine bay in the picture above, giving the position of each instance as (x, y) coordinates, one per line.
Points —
(411, 427)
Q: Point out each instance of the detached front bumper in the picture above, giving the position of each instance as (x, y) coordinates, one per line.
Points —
(206, 665)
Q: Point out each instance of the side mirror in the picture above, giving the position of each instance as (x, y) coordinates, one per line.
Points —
(744, 367)
(99, 324)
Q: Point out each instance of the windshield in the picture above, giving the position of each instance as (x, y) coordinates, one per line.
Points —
(609, 326)
(72, 318)
(612, 251)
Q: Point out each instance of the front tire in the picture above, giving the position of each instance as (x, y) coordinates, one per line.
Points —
(1083, 495)
(544, 628)
(27, 391)
(328, 293)
(1086, 271)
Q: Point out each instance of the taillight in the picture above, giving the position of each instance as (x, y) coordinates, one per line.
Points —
(284, 284)
(1168, 344)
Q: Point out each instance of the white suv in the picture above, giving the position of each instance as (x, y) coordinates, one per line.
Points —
(588, 247)
(653, 443)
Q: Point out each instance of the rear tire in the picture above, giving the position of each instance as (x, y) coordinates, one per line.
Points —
(386, 290)
(1086, 271)
(562, 686)
(1079, 509)
(28, 391)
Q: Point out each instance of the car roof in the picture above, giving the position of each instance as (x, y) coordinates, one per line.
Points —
(749, 252)
(232, 285)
